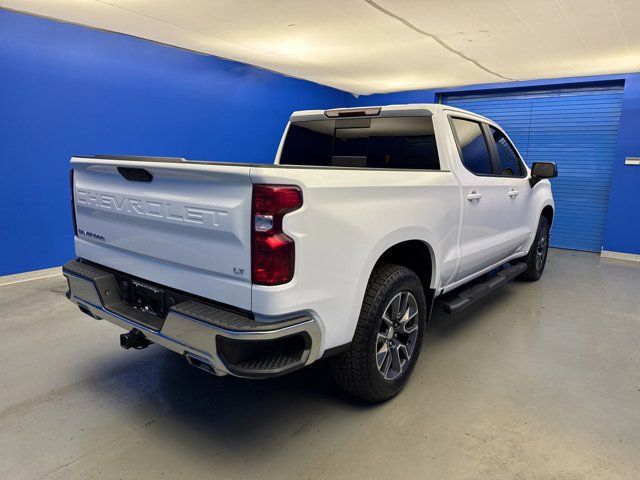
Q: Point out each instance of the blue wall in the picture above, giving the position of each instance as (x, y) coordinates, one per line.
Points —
(622, 229)
(68, 90)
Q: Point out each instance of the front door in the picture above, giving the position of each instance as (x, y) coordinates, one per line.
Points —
(520, 223)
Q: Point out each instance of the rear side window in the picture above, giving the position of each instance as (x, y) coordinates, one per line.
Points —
(473, 146)
(509, 160)
(390, 142)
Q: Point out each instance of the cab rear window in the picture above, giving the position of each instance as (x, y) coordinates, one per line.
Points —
(390, 142)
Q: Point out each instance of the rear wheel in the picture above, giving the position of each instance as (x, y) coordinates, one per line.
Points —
(388, 337)
(537, 257)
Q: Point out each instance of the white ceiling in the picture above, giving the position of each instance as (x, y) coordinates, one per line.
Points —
(369, 46)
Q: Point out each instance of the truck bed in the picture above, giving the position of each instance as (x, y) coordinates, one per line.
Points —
(190, 227)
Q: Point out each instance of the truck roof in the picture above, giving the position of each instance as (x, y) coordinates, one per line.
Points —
(379, 110)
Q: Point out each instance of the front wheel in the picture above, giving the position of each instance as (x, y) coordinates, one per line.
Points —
(537, 257)
(388, 337)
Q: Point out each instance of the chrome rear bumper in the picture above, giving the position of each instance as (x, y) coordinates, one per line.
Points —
(212, 338)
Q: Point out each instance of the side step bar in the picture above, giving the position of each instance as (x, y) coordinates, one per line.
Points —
(459, 300)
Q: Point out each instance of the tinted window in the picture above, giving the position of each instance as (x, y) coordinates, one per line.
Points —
(392, 142)
(308, 144)
(509, 160)
(475, 154)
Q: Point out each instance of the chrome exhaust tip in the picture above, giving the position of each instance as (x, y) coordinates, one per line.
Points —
(201, 363)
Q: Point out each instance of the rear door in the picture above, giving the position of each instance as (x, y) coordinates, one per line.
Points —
(185, 225)
(482, 240)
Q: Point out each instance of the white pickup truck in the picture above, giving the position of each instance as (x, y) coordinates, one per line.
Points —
(337, 250)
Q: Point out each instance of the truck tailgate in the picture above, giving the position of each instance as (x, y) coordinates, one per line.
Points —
(187, 228)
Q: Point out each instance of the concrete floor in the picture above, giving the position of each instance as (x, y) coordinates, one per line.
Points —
(540, 381)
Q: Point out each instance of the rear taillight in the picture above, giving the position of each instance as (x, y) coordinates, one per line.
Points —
(273, 252)
(73, 204)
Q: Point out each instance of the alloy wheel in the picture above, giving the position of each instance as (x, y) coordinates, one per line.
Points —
(541, 250)
(397, 335)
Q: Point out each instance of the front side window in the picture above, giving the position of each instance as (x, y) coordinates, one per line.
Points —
(509, 160)
(473, 146)
(389, 142)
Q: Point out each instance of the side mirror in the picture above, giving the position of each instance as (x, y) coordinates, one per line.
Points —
(542, 170)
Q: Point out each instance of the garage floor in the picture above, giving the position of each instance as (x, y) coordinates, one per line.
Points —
(540, 381)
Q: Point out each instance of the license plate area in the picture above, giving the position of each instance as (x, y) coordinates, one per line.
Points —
(148, 298)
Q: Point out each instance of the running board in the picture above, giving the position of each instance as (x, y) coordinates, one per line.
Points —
(457, 301)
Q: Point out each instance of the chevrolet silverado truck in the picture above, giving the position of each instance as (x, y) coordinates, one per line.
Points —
(337, 250)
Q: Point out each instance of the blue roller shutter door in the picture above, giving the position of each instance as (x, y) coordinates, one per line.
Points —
(577, 128)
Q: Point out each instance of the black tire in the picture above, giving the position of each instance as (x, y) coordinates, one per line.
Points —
(537, 257)
(356, 369)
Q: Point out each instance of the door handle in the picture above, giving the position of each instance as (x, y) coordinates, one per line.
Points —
(513, 193)
(474, 196)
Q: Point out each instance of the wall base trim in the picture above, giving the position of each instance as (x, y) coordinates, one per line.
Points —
(28, 276)
(620, 255)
